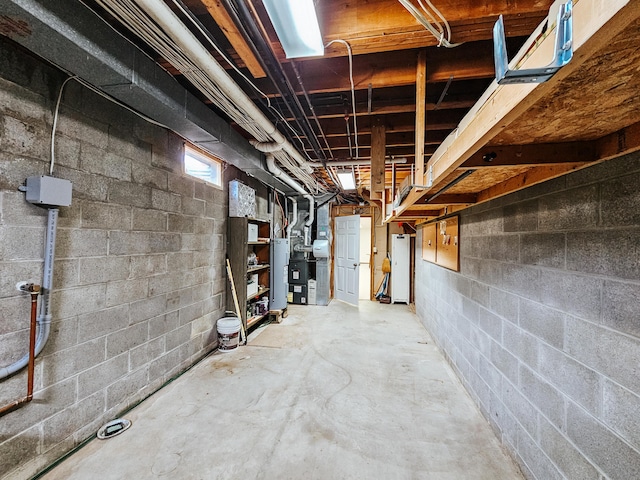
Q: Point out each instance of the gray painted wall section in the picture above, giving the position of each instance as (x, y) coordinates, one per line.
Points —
(542, 323)
(139, 276)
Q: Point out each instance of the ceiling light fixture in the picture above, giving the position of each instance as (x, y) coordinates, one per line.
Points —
(347, 179)
(296, 24)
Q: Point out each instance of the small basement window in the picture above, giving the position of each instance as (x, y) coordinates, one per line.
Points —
(202, 166)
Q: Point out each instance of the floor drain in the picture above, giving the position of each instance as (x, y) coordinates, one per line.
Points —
(113, 428)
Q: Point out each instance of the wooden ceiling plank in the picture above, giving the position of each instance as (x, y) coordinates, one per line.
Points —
(596, 23)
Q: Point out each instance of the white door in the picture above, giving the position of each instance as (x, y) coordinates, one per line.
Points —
(400, 274)
(347, 259)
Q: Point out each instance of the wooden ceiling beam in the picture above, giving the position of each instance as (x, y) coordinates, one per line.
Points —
(595, 25)
(450, 199)
(237, 41)
(378, 25)
(330, 75)
(532, 177)
(624, 141)
(364, 152)
(532, 154)
(419, 214)
(393, 107)
(421, 115)
(396, 139)
(405, 122)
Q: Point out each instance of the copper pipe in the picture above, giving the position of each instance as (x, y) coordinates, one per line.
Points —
(34, 290)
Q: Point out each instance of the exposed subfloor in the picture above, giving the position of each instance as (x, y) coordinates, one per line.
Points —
(333, 392)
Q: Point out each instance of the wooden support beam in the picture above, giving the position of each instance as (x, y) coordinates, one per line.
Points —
(224, 21)
(379, 25)
(327, 75)
(451, 199)
(378, 151)
(421, 114)
(596, 24)
(532, 154)
(619, 143)
(532, 177)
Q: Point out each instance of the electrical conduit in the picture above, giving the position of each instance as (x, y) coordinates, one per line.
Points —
(280, 175)
(44, 318)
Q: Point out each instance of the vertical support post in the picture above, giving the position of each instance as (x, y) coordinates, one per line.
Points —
(421, 115)
(378, 149)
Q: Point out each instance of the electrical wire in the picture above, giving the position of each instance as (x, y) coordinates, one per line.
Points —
(432, 24)
(196, 23)
(55, 124)
(134, 18)
(96, 90)
(353, 89)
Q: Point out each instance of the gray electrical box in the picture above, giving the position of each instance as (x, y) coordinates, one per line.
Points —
(43, 190)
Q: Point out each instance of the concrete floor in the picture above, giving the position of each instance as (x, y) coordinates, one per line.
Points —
(333, 392)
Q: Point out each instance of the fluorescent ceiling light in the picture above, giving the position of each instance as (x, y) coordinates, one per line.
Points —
(347, 179)
(297, 27)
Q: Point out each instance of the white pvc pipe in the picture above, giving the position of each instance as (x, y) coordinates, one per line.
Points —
(190, 45)
(280, 175)
(44, 318)
(294, 217)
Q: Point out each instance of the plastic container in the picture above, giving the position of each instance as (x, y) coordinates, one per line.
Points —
(228, 333)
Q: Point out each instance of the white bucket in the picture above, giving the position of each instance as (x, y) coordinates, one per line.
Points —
(228, 333)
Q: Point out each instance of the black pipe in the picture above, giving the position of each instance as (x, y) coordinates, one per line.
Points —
(449, 185)
(240, 27)
(247, 26)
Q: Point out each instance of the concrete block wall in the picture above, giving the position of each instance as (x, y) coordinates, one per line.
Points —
(542, 324)
(139, 276)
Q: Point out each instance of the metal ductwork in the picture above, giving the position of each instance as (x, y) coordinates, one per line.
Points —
(71, 36)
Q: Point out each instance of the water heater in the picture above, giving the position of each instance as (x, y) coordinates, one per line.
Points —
(279, 273)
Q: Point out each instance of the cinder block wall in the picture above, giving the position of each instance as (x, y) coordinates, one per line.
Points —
(542, 323)
(139, 272)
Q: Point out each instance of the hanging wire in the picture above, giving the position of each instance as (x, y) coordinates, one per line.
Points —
(55, 124)
(432, 24)
(196, 23)
(353, 90)
(134, 18)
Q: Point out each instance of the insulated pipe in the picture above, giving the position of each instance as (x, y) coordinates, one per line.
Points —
(280, 175)
(44, 318)
(34, 290)
(191, 46)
